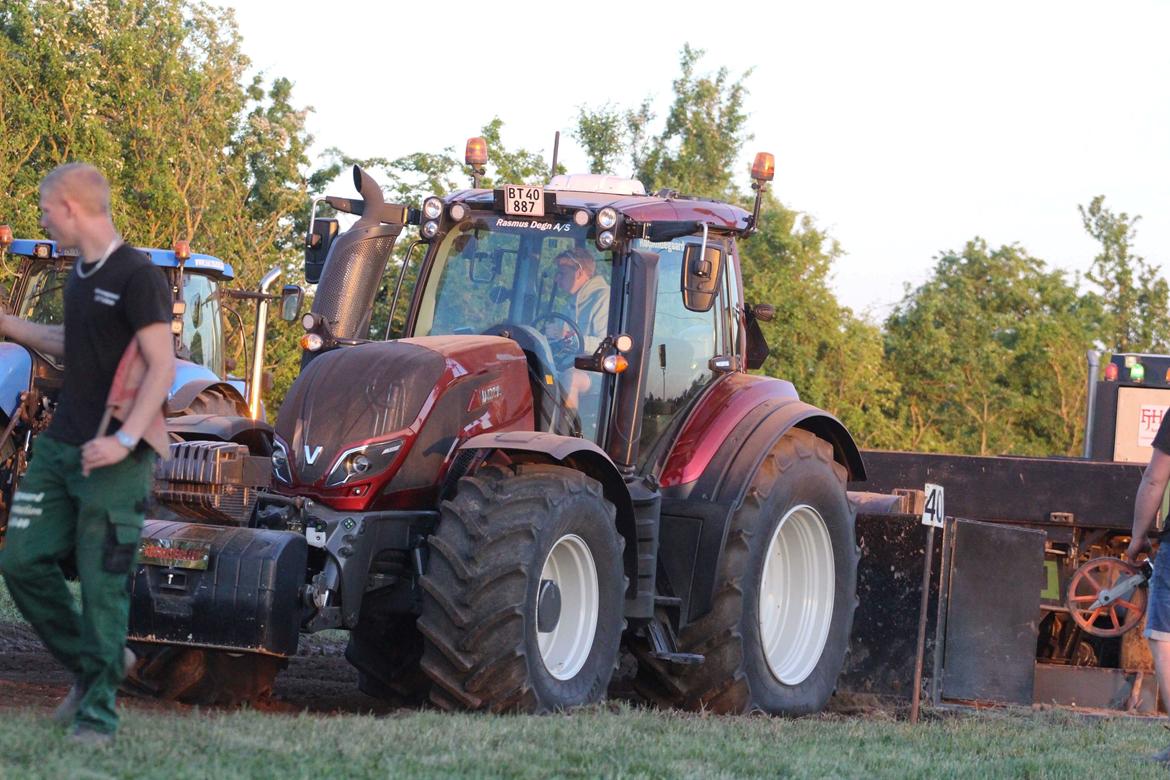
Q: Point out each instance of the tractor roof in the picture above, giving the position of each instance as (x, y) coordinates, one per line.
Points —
(164, 258)
(639, 208)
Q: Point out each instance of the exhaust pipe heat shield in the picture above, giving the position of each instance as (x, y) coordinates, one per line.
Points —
(357, 259)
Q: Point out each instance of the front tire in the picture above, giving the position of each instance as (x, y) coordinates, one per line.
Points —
(776, 637)
(523, 598)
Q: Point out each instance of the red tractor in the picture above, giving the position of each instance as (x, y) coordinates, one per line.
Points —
(563, 464)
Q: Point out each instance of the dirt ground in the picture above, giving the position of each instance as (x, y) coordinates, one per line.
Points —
(318, 679)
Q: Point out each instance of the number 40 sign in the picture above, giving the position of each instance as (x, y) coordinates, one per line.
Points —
(932, 513)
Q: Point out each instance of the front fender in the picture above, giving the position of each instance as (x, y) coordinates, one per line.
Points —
(15, 375)
(589, 459)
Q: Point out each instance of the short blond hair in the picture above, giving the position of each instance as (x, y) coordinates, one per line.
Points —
(83, 183)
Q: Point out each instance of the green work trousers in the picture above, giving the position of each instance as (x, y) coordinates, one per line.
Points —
(56, 511)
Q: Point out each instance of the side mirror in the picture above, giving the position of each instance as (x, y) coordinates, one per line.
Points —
(291, 298)
(701, 274)
(317, 245)
(483, 268)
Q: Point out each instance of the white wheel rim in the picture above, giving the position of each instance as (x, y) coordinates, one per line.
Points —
(570, 565)
(796, 595)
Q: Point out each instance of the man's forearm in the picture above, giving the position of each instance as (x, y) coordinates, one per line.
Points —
(1146, 505)
(48, 339)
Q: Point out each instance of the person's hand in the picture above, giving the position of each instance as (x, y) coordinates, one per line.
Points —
(101, 452)
(1137, 546)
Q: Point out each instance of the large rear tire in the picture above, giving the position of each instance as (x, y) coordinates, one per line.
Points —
(215, 400)
(777, 634)
(523, 597)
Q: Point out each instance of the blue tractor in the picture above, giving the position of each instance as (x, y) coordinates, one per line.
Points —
(202, 392)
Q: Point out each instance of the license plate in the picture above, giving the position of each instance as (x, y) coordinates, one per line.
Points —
(175, 553)
(520, 200)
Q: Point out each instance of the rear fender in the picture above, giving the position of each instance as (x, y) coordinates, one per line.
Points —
(255, 434)
(15, 373)
(579, 454)
(182, 396)
(704, 508)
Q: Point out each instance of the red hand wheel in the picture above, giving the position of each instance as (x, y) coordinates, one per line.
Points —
(1107, 596)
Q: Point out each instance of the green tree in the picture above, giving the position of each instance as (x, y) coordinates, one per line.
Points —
(695, 151)
(834, 358)
(1135, 297)
(990, 354)
(152, 93)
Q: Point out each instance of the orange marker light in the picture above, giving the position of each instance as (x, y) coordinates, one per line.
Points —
(5, 236)
(764, 167)
(182, 250)
(615, 364)
(476, 153)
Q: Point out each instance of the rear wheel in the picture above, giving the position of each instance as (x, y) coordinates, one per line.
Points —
(522, 608)
(778, 631)
(196, 676)
(215, 400)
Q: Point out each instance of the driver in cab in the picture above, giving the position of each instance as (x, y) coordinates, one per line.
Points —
(588, 294)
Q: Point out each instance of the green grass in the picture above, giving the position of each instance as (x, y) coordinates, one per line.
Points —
(8, 612)
(599, 742)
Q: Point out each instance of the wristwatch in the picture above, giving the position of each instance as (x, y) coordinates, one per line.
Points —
(126, 440)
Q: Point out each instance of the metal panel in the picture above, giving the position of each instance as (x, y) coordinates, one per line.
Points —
(1010, 489)
(889, 590)
(1091, 687)
(996, 577)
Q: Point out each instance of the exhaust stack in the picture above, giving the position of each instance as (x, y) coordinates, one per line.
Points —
(357, 259)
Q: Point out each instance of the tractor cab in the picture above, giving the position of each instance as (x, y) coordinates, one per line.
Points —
(626, 306)
(39, 295)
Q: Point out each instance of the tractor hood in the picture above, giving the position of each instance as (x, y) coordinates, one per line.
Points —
(352, 395)
(402, 406)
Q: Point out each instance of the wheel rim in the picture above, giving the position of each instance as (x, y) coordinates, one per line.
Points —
(570, 566)
(796, 595)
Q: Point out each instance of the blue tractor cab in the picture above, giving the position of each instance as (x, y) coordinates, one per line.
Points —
(201, 382)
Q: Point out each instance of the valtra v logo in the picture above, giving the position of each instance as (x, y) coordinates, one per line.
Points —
(311, 457)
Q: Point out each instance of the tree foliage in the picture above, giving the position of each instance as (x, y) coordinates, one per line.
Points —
(990, 354)
(986, 356)
(1134, 294)
(153, 93)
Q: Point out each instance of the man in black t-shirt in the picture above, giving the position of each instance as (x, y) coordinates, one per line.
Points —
(1146, 507)
(86, 489)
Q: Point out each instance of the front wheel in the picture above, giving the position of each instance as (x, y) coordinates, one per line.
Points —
(776, 637)
(522, 608)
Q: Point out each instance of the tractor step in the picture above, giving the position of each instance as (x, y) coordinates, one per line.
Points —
(665, 648)
(683, 659)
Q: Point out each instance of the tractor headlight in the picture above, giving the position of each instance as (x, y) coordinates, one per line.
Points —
(429, 229)
(360, 462)
(605, 239)
(280, 466)
(457, 211)
(432, 208)
(606, 218)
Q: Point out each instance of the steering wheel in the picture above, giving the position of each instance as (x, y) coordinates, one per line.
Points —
(563, 348)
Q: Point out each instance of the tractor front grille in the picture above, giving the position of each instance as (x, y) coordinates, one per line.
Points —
(212, 481)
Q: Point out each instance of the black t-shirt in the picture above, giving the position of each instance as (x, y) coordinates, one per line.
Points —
(1162, 437)
(103, 311)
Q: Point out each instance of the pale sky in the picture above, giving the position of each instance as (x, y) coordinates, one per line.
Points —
(902, 128)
